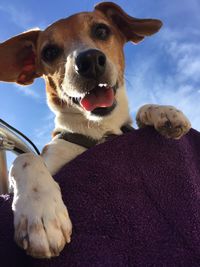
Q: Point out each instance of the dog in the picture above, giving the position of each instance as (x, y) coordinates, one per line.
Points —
(82, 62)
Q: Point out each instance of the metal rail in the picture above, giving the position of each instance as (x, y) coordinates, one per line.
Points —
(9, 141)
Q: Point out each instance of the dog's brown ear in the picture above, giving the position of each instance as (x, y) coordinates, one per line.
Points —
(132, 28)
(18, 58)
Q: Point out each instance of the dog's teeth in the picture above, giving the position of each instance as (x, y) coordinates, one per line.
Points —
(102, 84)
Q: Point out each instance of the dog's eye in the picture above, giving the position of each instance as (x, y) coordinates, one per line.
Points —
(101, 31)
(50, 53)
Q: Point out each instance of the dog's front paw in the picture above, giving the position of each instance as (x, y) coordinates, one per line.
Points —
(42, 224)
(167, 120)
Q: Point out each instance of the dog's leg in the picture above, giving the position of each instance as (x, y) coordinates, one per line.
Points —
(42, 224)
(167, 120)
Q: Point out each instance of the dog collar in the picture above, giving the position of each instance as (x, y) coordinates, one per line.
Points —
(86, 141)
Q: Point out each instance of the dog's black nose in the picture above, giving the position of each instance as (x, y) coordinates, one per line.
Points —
(91, 63)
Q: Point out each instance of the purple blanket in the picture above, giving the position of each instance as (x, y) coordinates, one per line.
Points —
(133, 201)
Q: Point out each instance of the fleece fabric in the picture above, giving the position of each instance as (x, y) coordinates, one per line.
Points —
(134, 202)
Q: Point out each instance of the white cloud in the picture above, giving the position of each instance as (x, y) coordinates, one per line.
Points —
(187, 57)
(21, 18)
(177, 85)
(27, 90)
(42, 135)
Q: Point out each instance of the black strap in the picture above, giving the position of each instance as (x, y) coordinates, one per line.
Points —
(18, 150)
(85, 141)
(78, 139)
(127, 128)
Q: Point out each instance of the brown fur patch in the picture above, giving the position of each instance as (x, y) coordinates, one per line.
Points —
(35, 189)
(44, 150)
(55, 224)
(36, 228)
(162, 115)
(26, 164)
(52, 83)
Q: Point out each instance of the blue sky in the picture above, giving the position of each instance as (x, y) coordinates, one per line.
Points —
(164, 69)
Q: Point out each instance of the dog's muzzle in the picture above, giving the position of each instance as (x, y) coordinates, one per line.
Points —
(99, 99)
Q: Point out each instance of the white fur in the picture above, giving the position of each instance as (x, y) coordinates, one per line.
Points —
(42, 224)
(85, 123)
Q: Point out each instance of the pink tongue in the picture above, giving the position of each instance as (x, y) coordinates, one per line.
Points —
(100, 97)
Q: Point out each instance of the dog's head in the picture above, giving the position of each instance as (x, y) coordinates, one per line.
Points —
(80, 57)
